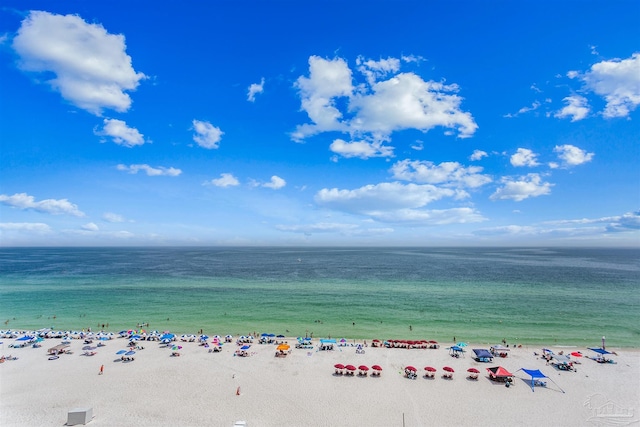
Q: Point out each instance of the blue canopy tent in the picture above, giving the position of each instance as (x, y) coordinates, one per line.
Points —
(601, 353)
(456, 351)
(536, 375)
(483, 355)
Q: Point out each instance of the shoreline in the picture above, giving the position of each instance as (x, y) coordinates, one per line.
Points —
(202, 388)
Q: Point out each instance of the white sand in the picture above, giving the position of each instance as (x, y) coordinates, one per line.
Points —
(199, 388)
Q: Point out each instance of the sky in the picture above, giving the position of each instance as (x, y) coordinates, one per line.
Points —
(320, 123)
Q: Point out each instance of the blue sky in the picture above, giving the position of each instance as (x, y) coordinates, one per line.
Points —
(320, 123)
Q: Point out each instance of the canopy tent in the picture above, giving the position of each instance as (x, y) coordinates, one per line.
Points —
(483, 355)
(498, 372)
(536, 375)
(600, 350)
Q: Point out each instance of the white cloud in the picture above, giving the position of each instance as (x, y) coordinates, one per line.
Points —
(527, 186)
(361, 149)
(617, 81)
(121, 133)
(91, 226)
(276, 183)
(629, 221)
(328, 79)
(373, 70)
(207, 135)
(255, 89)
(381, 197)
(112, 217)
(577, 108)
(447, 173)
(376, 108)
(91, 67)
(572, 155)
(225, 180)
(150, 171)
(56, 207)
(36, 227)
(524, 157)
(534, 106)
(478, 155)
(429, 217)
(405, 101)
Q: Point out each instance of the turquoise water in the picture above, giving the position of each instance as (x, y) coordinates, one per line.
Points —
(485, 295)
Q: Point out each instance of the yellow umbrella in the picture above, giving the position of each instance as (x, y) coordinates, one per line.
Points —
(283, 347)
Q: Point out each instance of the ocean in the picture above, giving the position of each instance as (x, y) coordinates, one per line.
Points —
(529, 296)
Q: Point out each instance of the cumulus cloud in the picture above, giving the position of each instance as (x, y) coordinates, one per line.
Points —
(225, 180)
(24, 201)
(150, 171)
(374, 70)
(524, 157)
(112, 217)
(36, 227)
(617, 81)
(254, 89)
(577, 108)
(374, 200)
(90, 66)
(478, 155)
(571, 155)
(120, 133)
(446, 173)
(361, 149)
(377, 107)
(206, 135)
(91, 226)
(522, 188)
(276, 183)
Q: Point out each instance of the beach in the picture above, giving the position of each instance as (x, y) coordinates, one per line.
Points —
(200, 387)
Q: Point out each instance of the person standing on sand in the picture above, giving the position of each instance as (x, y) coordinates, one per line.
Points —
(101, 370)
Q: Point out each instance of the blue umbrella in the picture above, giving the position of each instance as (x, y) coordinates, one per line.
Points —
(245, 347)
(130, 353)
(121, 352)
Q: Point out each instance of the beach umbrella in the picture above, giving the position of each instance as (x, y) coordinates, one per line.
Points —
(121, 351)
(430, 369)
(410, 368)
(176, 347)
(473, 370)
(350, 368)
(283, 347)
(376, 368)
(462, 344)
(576, 354)
(245, 347)
(338, 366)
(130, 353)
(363, 368)
(448, 369)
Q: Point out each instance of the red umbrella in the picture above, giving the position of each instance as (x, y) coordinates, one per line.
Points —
(472, 370)
(410, 368)
(429, 369)
(363, 368)
(376, 368)
(338, 366)
(576, 354)
(448, 369)
(350, 368)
